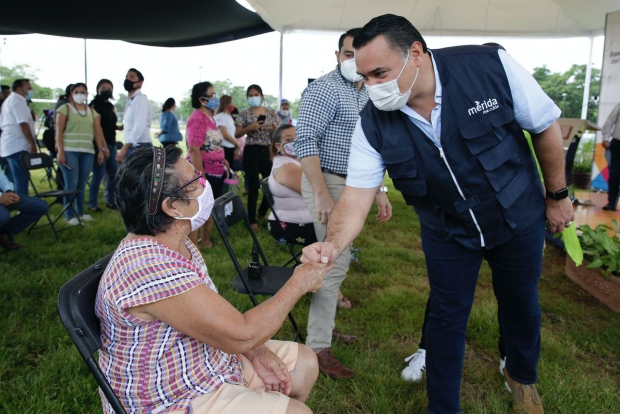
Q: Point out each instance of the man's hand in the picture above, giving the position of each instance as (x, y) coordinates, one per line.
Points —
(385, 208)
(559, 214)
(320, 252)
(6, 199)
(323, 205)
(32, 148)
(120, 156)
(271, 370)
(606, 144)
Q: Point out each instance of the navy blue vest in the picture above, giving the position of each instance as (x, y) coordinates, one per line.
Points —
(483, 145)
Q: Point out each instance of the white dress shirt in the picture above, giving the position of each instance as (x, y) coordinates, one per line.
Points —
(15, 111)
(137, 120)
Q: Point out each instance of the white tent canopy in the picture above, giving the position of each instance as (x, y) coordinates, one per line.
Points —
(515, 18)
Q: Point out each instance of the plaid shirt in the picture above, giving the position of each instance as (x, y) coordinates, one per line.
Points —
(329, 109)
(151, 366)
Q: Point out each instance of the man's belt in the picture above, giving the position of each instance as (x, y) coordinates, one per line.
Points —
(325, 170)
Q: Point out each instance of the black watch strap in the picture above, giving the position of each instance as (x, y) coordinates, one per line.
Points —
(558, 195)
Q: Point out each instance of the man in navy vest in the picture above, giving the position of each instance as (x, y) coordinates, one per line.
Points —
(447, 125)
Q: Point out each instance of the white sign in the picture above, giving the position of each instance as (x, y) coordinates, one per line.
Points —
(36, 161)
(228, 209)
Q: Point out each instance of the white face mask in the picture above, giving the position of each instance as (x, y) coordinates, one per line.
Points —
(79, 98)
(349, 71)
(387, 96)
(205, 205)
(285, 112)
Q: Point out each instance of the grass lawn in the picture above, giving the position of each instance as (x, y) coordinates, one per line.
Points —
(42, 372)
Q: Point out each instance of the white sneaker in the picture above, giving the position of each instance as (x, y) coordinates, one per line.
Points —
(502, 366)
(73, 222)
(86, 217)
(417, 364)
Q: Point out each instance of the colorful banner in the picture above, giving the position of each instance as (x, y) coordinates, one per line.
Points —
(610, 96)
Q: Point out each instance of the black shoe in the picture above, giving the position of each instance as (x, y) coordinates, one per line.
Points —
(111, 206)
(95, 209)
(7, 242)
(609, 207)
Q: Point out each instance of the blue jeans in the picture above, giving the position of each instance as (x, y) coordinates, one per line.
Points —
(18, 174)
(453, 273)
(135, 147)
(81, 165)
(30, 210)
(109, 167)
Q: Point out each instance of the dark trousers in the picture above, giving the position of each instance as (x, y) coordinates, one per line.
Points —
(614, 173)
(18, 174)
(30, 210)
(293, 233)
(256, 162)
(453, 274)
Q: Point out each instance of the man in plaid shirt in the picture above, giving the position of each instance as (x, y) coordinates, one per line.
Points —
(328, 113)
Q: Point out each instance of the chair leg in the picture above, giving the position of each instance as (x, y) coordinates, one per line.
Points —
(298, 335)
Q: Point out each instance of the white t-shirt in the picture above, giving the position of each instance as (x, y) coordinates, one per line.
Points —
(226, 120)
(137, 119)
(15, 111)
(534, 112)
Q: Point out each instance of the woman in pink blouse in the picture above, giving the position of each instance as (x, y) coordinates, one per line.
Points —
(170, 342)
(206, 153)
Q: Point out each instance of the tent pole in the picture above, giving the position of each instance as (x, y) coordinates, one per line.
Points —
(85, 64)
(586, 89)
(281, 56)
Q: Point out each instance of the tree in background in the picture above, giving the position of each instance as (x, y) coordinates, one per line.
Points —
(10, 74)
(571, 83)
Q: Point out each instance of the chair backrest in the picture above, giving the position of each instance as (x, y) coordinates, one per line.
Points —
(76, 306)
(36, 161)
(264, 185)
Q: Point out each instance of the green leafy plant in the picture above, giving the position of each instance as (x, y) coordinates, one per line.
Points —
(600, 247)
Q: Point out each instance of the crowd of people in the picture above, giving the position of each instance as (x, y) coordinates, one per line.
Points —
(171, 343)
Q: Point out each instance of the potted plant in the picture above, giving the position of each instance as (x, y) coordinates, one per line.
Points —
(599, 273)
(582, 166)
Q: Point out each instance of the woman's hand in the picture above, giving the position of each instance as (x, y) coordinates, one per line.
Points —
(60, 157)
(100, 158)
(312, 274)
(271, 370)
(255, 126)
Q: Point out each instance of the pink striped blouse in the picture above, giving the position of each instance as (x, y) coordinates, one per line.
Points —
(151, 366)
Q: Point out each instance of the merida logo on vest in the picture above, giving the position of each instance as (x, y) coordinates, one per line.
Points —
(484, 107)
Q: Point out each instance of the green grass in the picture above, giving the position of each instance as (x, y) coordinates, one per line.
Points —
(41, 371)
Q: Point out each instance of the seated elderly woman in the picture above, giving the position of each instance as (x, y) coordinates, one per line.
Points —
(170, 342)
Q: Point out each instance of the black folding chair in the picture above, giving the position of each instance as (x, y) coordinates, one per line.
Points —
(44, 161)
(228, 211)
(264, 185)
(76, 305)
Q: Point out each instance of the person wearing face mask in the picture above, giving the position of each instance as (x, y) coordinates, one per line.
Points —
(328, 112)
(447, 126)
(258, 123)
(107, 113)
(169, 124)
(226, 125)
(285, 112)
(137, 117)
(77, 127)
(159, 308)
(18, 133)
(204, 141)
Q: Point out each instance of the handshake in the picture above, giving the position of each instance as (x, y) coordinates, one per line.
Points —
(318, 260)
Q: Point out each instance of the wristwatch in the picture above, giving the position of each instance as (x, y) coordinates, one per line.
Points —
(382, 190)
(558, 195)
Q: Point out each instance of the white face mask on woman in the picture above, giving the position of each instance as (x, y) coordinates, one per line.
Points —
(387, 96)
(205, 205)
(79, 98)
(349, 70)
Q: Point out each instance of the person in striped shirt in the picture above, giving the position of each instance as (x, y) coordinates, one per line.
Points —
(170, 342)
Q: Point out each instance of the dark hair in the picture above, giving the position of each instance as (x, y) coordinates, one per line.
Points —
(398, 31)
(19, 83)
(351, 32)
(5, 87)
(276, 137)
(101, 82)
(133, 186)
(255, 87)
(137, 72)
(170, 102)
(225, 100)
(199, 89)
(75, 85)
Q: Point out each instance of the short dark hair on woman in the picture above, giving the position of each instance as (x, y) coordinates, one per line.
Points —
(398, 31)
(76, 85)
(101, 82)
(255, 87)
(199, 89)
(133, 187)
(170, 102)
(276, 137)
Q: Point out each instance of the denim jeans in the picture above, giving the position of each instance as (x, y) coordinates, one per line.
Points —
(30, 210)
(18, 174)
(81, 165)
(453, 273)
(135, 147)
(109, 167)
